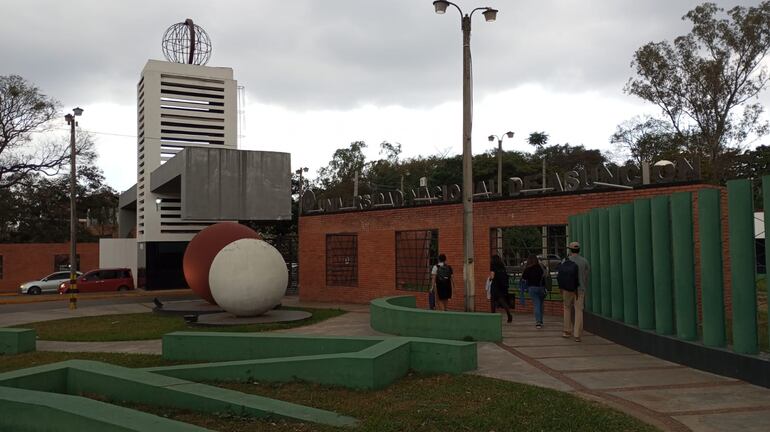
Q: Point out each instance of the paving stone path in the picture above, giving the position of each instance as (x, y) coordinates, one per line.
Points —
(668, 395)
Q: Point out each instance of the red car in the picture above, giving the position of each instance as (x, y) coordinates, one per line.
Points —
(112, 279)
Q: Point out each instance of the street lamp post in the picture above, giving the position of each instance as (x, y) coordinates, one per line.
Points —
(299, 204)
(465, 25)
(499, 139)
(73, 288)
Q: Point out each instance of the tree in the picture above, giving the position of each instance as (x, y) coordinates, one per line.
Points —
(23, 111)
(37, 207)
(336, 179)
(538, 139)
(647, 139)
(707, 82)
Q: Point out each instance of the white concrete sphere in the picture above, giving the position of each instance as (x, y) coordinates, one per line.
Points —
(248, 277)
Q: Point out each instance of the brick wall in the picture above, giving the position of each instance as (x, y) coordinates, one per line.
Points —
(32, 261)
(376, 240)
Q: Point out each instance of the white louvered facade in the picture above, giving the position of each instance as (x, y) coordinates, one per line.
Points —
(178, 106)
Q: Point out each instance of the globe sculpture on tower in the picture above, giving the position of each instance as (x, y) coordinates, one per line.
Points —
(186, 42)
(229, 265)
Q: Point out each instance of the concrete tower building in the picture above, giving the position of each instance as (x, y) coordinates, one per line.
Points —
(178, 106)
(190, 172)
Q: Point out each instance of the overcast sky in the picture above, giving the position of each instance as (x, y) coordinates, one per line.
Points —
(320, 74)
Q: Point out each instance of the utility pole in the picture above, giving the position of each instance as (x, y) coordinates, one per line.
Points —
(73, 288)
(468, 262)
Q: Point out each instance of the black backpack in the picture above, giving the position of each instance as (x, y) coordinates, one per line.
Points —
(568, 275)
(443, 273)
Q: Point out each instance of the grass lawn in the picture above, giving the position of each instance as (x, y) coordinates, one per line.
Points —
(438, 403)
(143, 326)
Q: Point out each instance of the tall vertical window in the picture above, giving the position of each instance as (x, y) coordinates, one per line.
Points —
(341, 260)
(416, 253)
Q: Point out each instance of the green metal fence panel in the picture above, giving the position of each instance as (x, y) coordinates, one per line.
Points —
(585, 247)
(742, 266)
(685, 301)
(661, 264)
(616, 264)
(711, 278)
(596, 264)
(604, 257)
(645, 292)
(628, 257)
(766, 206)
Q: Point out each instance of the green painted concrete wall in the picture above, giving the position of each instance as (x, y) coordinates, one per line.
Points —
(17, 340)
(398, 315)
(140, 386)
(379, 363)
(29, 410)
(246, 346)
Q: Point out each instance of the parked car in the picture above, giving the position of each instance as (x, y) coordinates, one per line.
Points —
(112, 279)
(48, 284)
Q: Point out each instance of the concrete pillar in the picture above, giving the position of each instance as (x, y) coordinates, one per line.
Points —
(628, 257)
(661, 264)
(645, 292)
(742, 266)
(604, 257)
(616, 264)
(685, 301)
(712, 294)
(596, 265)
(585, 247)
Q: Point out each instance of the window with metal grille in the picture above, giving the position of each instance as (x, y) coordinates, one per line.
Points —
(341, 260)
(416, 254)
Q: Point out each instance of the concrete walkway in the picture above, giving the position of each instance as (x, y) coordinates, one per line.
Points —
(668, 395)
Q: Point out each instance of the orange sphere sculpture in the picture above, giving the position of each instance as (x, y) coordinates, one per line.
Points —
(204, 247)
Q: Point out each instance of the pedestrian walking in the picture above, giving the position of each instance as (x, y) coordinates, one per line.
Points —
(573, 276)
(442, 281)
(499, 292)
(535, 277)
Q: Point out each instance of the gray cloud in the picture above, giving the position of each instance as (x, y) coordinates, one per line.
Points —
(337, 54)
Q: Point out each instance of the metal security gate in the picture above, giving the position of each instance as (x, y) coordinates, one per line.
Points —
(287, 246)
(515, 244)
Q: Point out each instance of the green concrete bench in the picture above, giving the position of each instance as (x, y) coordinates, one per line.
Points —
(16, 340)
(399, 316)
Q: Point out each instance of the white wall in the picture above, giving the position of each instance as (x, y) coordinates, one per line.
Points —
(118, 253)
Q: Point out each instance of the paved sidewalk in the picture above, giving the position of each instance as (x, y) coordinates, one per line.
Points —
(668, 395)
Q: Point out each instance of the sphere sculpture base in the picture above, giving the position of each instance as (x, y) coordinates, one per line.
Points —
(273, 316)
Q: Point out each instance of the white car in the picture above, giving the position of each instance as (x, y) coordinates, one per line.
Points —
(48, 284)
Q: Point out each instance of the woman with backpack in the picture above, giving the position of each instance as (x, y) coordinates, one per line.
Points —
(499, 292)
(535, 277)
(442, 281)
